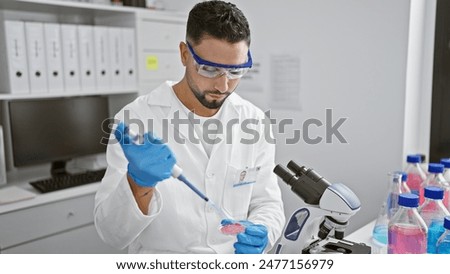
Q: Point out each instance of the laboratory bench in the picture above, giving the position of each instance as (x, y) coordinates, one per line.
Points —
(55, 222)
(62, 222)
(364, 235)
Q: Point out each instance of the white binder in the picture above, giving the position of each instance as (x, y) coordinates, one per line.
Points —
(37, 70)
(129, 59)
(70, 58)
(87, 59)
(102, 68)
(14, 59)
(53, 53)
(116, 56)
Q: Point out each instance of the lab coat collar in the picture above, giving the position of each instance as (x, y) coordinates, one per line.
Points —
(161, 96)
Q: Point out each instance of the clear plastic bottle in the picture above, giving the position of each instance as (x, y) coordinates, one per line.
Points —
(396, 186)
(380, 231)
(435, 178)
(407, 231)
(446, 163)
(433, 213)
(443, 244)
(416, 174)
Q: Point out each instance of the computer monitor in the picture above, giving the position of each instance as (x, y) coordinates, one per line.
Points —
(56, 130)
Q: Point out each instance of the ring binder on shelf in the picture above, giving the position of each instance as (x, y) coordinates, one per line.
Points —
(37, 71)
(14, 58)
(54, 57)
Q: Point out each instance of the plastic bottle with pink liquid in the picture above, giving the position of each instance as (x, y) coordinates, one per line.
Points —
(415, 172)
(407, 231)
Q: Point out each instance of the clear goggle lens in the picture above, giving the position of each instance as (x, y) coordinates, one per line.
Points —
(214, 72)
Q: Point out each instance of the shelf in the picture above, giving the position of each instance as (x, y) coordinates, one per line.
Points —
(15, 4)
(7, 96)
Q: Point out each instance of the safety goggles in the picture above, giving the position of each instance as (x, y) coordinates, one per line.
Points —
(212, 70)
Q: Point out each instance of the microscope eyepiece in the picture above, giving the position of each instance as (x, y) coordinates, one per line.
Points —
(306, 183)
(298, 170)
(284, 174)
(302, 170)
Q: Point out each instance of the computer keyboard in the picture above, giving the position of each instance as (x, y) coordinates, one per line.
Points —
(67, 181)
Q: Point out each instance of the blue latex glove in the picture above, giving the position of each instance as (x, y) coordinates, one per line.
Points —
(149, 162)
(253, 241)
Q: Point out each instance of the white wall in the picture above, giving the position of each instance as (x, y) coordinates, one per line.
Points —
(419, 76)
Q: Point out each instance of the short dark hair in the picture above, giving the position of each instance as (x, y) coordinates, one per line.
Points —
(218, 19)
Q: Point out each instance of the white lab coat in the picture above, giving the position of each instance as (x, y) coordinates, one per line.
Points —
(179, 221)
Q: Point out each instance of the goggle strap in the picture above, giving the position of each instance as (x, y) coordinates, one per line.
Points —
(201, 61)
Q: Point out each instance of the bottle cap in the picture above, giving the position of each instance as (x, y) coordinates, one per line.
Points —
(413, 158)
(434, 192)
(408, 200)
(435, 168)
(446, 162)
(447, 222)
(404, 175)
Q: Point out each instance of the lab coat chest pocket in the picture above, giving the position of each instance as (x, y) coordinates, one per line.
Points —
(239, 183)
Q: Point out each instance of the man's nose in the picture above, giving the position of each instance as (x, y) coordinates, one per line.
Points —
(221, 83)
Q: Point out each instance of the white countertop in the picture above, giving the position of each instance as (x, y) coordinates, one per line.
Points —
(44, 198)
(364, 235)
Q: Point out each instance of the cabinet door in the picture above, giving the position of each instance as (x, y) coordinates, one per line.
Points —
(29, 224)
(83, 240)
(158, 51)
(162, 66)
(163, 35)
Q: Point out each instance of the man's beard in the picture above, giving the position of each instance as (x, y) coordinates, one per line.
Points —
(201, 97)
(214, 104)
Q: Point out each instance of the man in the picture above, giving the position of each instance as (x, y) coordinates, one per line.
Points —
(140, 206)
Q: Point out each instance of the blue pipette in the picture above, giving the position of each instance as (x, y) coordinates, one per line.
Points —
(177, 173)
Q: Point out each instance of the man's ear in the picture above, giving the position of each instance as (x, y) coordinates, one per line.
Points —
(184, 53)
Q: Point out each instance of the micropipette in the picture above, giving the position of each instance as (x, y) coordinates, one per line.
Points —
(177, 173)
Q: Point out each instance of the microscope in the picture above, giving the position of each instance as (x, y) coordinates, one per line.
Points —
(318, 228)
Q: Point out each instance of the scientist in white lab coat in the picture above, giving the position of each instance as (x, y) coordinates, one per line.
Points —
(217, 138)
